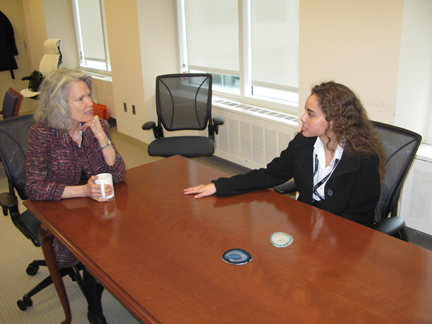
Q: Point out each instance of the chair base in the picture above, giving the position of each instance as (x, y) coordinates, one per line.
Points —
(73, 272)
(187, 146)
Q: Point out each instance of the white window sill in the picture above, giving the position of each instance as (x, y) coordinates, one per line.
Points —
(257, 111)
(99, 76)
(424, 153)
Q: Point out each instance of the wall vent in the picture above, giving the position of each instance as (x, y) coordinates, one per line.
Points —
(256, 110)
(415, 203)
(252, 136)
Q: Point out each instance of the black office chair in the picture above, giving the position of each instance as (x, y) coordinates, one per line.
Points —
(11, 103)
(14, 133)
(183, 102)
(400, 146)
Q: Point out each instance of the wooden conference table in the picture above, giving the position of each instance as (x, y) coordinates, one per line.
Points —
(159, 253)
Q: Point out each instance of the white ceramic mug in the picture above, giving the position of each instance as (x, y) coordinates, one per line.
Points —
(105, 179)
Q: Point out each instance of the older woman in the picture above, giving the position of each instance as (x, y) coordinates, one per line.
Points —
(68, 146)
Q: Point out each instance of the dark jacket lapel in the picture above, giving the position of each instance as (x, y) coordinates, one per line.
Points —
(304, 160)
(346, 165)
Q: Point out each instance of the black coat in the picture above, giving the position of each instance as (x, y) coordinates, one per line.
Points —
(352, 191)
(8, 48)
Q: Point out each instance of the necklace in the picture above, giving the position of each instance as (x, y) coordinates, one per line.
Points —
(79, 137)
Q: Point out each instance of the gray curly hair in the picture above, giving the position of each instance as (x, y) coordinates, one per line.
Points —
(52, 107)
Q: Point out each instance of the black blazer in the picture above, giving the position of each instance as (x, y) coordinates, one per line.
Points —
(352, 191)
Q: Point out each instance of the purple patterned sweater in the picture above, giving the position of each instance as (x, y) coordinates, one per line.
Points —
(55, 161)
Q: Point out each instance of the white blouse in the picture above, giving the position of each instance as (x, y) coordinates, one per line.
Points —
(321, 172)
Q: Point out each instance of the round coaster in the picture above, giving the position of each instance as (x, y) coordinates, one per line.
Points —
(281, 240)
(237, 256)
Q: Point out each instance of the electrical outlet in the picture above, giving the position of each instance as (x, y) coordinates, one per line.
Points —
(133, 110)
(125, 106)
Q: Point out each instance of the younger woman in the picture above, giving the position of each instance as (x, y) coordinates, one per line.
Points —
(337, 160)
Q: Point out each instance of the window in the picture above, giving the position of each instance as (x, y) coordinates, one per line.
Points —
(249, 46)
(91, 35)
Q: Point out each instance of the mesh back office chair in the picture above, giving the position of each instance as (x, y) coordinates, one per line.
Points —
(183, 102)
(49, 62)
(14, 134)
(11, 103)
(400, 146)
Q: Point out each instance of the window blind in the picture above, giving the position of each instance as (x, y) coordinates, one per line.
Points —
(275, 44)
(91, 30)
(212, 36)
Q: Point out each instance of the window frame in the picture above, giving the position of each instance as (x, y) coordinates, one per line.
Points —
(245, 94)
(104, 40)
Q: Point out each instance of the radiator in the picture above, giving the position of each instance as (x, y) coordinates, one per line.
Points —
(416, 198)
(252, 136)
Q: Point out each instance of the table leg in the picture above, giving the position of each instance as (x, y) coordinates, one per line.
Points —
(46, 241)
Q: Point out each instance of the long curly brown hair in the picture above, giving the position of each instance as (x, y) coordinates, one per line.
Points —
(349, 121)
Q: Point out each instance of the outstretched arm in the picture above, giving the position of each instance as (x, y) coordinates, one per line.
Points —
(201, 190)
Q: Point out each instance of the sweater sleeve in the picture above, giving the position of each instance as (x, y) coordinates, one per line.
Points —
(118, 169)
(53, 163)
(37, 185)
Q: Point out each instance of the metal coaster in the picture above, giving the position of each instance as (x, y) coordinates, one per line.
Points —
(237, 256)
(281, 240)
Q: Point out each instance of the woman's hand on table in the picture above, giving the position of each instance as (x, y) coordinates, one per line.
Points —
(94, 191)
(201, 190)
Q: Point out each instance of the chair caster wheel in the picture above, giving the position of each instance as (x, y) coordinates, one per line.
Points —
(32, 269)
(24, 303)
(28, 301)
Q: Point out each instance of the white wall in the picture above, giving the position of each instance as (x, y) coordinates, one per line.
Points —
(414, 95)
(60, 25)
(379, 48)
(159, 50)
(125, 54)
(35, 30)
(352, 42)
(142, 44)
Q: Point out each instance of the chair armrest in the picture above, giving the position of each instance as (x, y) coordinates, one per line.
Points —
(214, 129)
(149, 125)
(286, 188)
(8, 201)
(157, 130)
(390, 226)
(218, 120)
